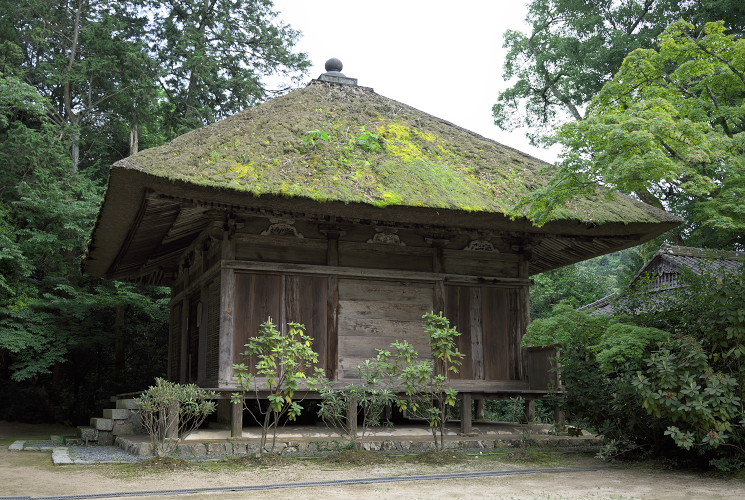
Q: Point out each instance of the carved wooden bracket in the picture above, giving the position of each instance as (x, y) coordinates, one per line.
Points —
(282, 227)
(480, 246)
(388, 237)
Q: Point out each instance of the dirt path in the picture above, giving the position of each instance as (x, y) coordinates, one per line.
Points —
(31, 474)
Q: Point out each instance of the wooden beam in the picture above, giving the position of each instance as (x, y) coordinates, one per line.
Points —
(227, 327)
(249, 265)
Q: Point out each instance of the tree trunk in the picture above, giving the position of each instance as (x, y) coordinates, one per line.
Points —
(134, 140)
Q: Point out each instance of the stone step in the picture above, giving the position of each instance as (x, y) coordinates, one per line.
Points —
(105, 438)
(88, 434)
(127, 404)
(117, 414)
(102, 424)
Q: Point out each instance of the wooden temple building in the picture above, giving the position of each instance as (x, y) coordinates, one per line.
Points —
(665, 275)
(353, 214)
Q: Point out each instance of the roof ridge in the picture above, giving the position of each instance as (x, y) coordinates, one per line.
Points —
(703, 253)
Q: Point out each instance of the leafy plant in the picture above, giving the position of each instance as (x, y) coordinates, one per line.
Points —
(282, 363)
(679, 385)
(369, 141)
(370, 398)
(171, 411)
(425, 383)
(313, 136)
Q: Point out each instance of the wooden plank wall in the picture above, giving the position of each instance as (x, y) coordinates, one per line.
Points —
(374, 313)
(174, 343)
(489, 320)
(283, 298)
(213, 330)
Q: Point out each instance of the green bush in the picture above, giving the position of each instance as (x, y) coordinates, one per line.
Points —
(665, 377)
(172, 411)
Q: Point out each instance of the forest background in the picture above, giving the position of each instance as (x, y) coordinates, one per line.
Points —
(84, 84)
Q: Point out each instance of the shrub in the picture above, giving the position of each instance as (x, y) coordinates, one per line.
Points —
(171, 411)
(282, 363)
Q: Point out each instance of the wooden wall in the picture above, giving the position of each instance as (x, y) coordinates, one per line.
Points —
(374, 313)
(356, 289)
(283, 298)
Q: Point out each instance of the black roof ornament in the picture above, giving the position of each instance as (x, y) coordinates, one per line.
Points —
(334, 75)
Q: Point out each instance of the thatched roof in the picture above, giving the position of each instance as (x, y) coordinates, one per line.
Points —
(345, 150)
(665, 270)
(345, 143)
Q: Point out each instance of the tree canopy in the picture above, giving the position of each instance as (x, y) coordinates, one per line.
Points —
(669, 129)
(82, 85)
(576, 46)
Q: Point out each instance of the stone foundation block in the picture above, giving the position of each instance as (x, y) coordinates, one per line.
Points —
(217, 449)
(88, 434)
(105, 438)
(122, 428)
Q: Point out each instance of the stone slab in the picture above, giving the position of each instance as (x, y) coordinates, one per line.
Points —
(88, 434)
(60, 456)
(17, 446)
(105, 438)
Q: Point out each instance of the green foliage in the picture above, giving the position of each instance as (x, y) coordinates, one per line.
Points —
(574, 47)
(371, 397)
(647, 390)
(680, 386)
(622, 346)
(425, 383)
(282, 363)
(667, 128)
(170, 412)
(576, 285)
(58, 330)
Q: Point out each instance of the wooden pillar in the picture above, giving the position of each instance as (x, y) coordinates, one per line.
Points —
(529, 410)
(466, 414)
(479, 409)
(352, 419)
(236, 420)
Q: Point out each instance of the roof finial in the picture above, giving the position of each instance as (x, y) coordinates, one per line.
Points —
(334, 75)
(334, 65)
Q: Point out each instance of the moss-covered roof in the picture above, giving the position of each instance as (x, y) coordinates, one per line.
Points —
(344, 143)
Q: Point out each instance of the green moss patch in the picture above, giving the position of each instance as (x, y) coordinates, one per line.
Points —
(342, 143)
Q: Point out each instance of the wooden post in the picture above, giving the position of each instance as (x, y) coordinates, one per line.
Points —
(236, 420)
(172, 421)
(479, 409)
(466, 413)
(529, 410)
(559, 418)
(352, 418)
